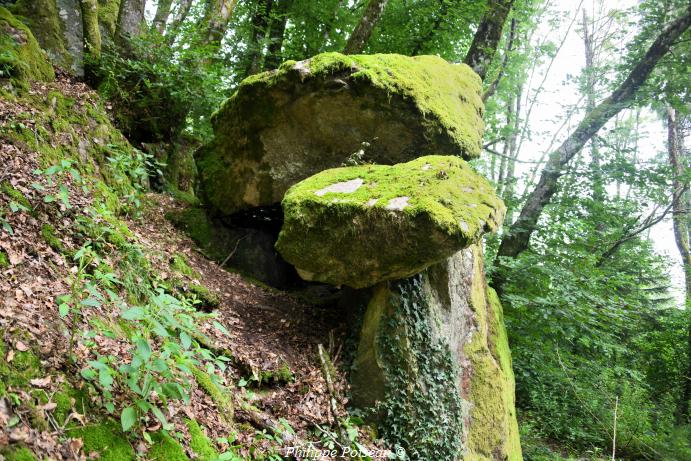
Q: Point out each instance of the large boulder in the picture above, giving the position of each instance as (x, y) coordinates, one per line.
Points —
(21, 58)
(433, 366)
(283, 126)
(361, 225)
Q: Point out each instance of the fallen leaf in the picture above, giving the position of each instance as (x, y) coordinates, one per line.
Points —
(41, 382)
(21, 347)
(10, 356)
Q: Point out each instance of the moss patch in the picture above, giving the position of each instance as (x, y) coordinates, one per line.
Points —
(4, 260)
(17, 454)
(200, 443)
(493, 425)
(166, 448)
(179, 264)
(364, 224)
(51, 238)
(21, 58)
(14, 194)
(218, 394)
(106, 439)
(43, 18)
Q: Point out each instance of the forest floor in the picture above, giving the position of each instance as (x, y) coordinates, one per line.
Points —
(272, 339)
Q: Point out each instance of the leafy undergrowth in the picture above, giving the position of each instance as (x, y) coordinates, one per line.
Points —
(118, 339)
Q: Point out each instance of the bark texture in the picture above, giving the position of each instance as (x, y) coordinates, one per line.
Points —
(162, 14)
(92, 33)
(518, 238)
(487, 37)
(680, 220)
(130, 20)
(218, 14)
(358, 39)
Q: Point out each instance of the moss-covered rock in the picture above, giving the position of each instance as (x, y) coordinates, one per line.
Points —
(433, 367)
(44, 21)
(21, 58)
(361, 225)
(286, 125)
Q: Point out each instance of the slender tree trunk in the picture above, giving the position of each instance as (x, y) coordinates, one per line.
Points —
(487, 36)
(130, 21)
(260, 22)
(358, 39)
(598, 191)
(92, 38)
(92, 32)
(492, 88)
(181, 13)
(517, 239)
(277, 34)
(510, 181)
(680, 220)
(162, 14)
(218, 14)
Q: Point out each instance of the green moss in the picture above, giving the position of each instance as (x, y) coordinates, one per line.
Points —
(4, 260)
(448, 95)
(50, 237)
(108, 15)
(43, 18)
(220, 396)
(494, 427)
(397, 219)
(279, 376)
(166, 448)
(200, 443)
(17, 454)
(16, 374)
(14, 194)
(21, 58)
(179, 264)
(203, 294)
(106, 439)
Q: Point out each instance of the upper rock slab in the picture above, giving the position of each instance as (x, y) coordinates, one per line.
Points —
(283, 126)
(362, 225)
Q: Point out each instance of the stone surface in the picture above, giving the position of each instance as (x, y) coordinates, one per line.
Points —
(361, 225)
(283, 126)
(21, 58)
(433, 367)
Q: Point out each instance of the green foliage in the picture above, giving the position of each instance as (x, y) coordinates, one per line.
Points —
(410, 414)
(158, 89)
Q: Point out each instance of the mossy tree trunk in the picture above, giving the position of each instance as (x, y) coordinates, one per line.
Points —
(217, 16)
(92, 36)
(260, 23)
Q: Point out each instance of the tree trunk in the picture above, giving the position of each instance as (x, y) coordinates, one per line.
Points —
(277, 33)
(680, 220)
(358, 39)
(162, 14)
(260, 22)
(218, 14)
(492, 88)
(183, 9)
(509, 181)
(598, 191)
(130, 20)
(92, 37)
(517, 239)
(487, 36)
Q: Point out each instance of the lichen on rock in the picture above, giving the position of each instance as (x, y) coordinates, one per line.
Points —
(361, 225)
(285, 125)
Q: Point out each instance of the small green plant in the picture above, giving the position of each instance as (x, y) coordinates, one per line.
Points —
(56, 175)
